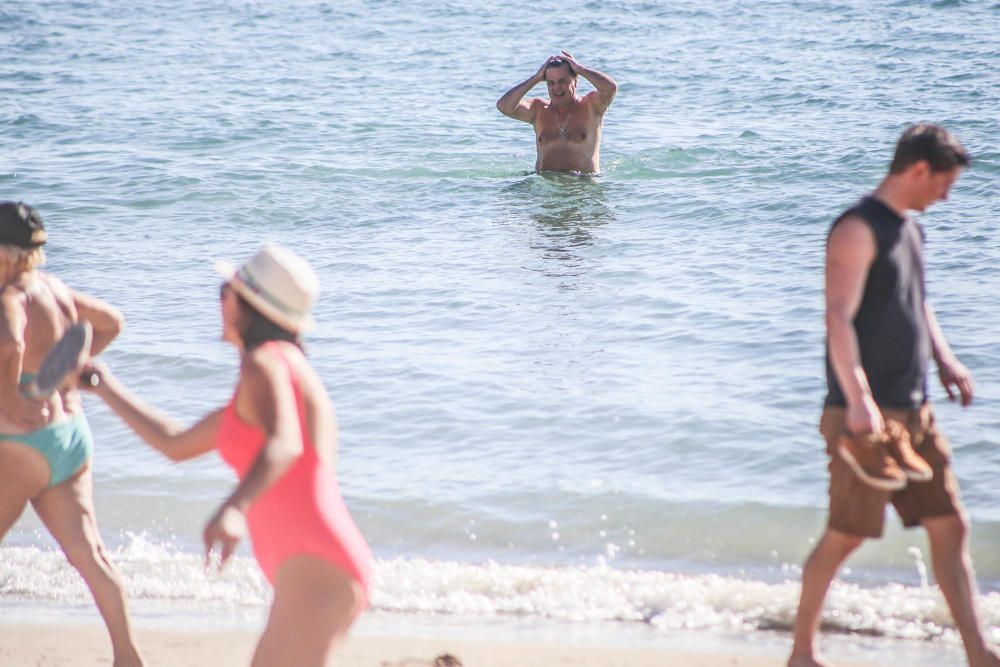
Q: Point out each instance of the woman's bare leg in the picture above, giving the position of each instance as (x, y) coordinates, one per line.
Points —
(67, 510)
(315, 604)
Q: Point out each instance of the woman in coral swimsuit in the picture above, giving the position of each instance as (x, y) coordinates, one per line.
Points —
(279, 434)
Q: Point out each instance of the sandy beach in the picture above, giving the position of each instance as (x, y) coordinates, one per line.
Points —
(86, 646)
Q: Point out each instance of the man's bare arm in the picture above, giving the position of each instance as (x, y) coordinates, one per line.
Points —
(606, 87)
(12, 321)
(950, 369)
(513, 104)
(26, 412)
(105, 318)
(850, 251)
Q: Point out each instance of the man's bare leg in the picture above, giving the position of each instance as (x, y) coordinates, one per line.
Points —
(67, 510)
(817, 573)
(953, 570)
(24, 473)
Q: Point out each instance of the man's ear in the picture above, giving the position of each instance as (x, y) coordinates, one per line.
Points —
(920, 169)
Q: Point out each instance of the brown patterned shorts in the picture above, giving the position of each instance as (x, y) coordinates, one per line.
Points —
(858, 509)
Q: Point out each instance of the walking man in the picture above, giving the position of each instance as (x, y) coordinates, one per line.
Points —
(880, 333)
(567, 126)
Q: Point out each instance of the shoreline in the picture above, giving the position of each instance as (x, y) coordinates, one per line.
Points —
(401, 640)
(221, 622)
(31, 645)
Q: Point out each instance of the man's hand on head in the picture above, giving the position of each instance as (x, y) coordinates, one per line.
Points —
(540, 74)
(573, 64)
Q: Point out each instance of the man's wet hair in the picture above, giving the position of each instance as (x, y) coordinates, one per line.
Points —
(560, 62)
(933, 143)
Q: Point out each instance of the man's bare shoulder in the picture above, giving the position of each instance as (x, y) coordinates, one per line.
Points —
(11, 294)
(852, 226)
(595, 102)
(56, 285)
(537, 105)
(851, 235)
(594, 105)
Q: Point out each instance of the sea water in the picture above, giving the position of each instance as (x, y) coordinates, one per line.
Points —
(582, 400)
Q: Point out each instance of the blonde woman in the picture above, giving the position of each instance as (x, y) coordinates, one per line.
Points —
(46, 446)
(279, 434)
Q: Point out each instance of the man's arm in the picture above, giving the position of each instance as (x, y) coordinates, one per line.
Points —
(23, 411)
(850, 251)
(950, 369)
(105, 318)
(606, 87)
(513, 104)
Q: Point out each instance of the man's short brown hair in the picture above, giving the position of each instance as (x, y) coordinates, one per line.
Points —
(932, 143)
(560, 62)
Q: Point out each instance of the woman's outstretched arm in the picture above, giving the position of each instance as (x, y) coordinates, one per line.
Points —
(159, 430)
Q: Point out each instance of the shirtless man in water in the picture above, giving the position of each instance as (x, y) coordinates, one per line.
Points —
(567, 127)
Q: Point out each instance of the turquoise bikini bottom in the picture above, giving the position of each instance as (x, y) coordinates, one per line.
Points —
(67, 446)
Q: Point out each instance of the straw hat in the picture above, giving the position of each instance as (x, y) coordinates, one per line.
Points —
(279, 284)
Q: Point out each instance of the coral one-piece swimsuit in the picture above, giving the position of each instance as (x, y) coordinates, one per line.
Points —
(301, 514)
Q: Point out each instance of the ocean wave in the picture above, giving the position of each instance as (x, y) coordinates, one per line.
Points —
(662, 601)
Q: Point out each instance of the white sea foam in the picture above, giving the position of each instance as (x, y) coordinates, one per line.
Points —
(151, 572)
(663, 601)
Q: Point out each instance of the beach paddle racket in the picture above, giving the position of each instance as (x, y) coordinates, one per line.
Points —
(63, 360)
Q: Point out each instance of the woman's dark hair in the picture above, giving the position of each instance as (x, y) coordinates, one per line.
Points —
(258, 329)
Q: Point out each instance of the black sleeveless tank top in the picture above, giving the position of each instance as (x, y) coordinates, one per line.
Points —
(891, 324)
